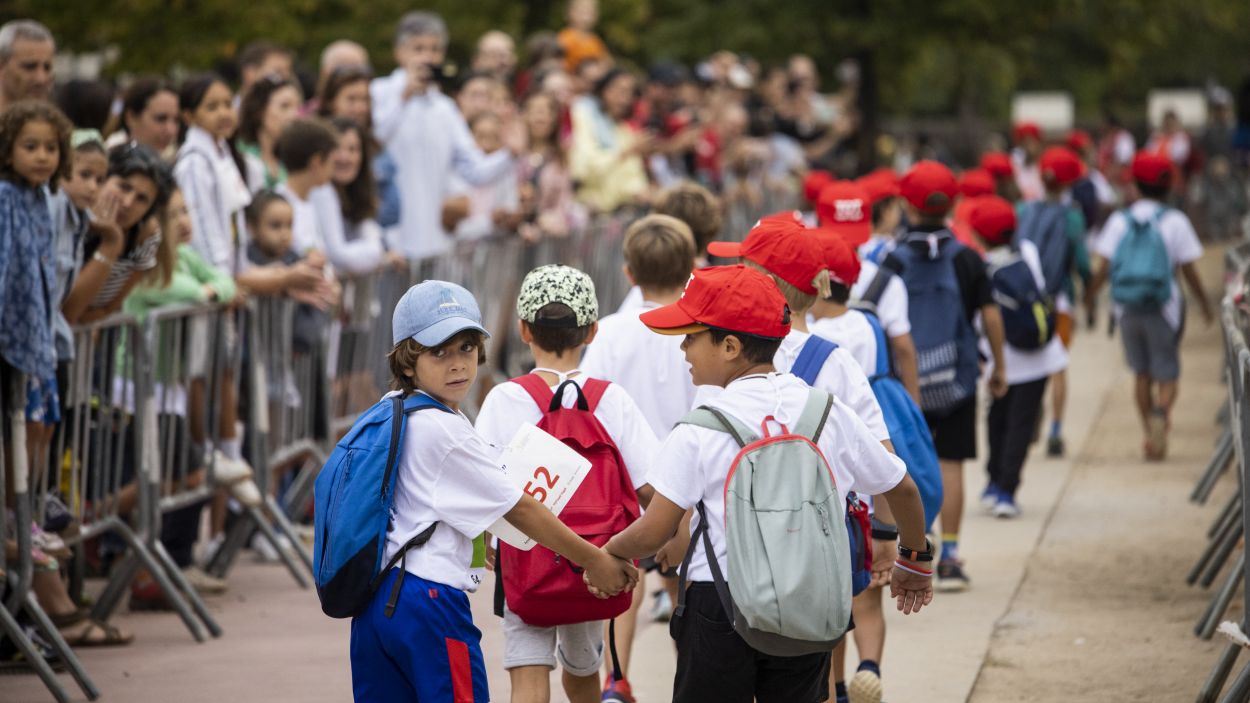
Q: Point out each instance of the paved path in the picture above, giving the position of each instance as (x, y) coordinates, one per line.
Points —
(278, 647)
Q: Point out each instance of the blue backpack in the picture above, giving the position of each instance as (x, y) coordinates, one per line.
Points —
(807, 366)
(1141, 272)
(909, 433)
(1046, 225)
(352, 509)
(946, 344)
(1028, 315)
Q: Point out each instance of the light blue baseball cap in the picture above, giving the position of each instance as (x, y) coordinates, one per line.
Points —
(432, 312)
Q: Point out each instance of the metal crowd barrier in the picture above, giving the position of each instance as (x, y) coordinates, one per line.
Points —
(1231, 530)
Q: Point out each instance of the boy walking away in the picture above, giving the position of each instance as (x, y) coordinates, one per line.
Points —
(794, 259)
(546, 605)
(1056, 226)
(947, 286)
(659, 256)
(1140, 250)
(1034, 350)
(699, 209)
(401, 566)
(739, 637)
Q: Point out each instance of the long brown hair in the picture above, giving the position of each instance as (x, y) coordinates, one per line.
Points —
(334, 84)
(358, 199)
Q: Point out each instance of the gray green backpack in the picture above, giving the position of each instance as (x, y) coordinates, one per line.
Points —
(789, 585)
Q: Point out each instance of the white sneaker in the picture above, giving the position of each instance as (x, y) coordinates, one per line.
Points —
(246, 492)
(1006, 508)
(227, 471)
(265, 551)
(203, 582)
(864, 687)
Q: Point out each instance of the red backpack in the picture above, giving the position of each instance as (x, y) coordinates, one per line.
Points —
(540, 586)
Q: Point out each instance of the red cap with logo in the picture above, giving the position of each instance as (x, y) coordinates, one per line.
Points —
(880, 184)
(974, 182)
(1079, 140)
(844, 207)
(1026, 130)
(813, 182)
(1152, 169)
(1060, 166)
(993, 218)
(930, 187)
(734, 298)
(782, 248)
(841, 257)
(998, 164)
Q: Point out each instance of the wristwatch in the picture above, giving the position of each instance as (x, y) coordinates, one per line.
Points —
(913, 555)
(883, 530)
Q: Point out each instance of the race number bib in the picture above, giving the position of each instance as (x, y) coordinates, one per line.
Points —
(546, 469)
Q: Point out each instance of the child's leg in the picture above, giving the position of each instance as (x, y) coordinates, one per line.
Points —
(837, 668)
(869, 629)
(1058, 401)
(995, 429)
(580, 652)
(1023, 406)
(428, 650)
(952, 513)
(530, 684)
(1142, 394)
(528, 656)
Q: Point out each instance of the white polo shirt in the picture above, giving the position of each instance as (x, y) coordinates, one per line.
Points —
(1026, 365)
(448, 473)
(693, 462)
(892, 307)
(508, 406)
(1179, 238)
(650, 367)
(853, 332)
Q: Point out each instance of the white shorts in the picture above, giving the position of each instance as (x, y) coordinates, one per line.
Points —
(578, 647)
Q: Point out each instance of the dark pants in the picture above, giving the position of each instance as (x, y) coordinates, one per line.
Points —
(715, 664)
(180, 529)
(1011, 425)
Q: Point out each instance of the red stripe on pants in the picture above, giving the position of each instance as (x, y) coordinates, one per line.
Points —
(461, 671)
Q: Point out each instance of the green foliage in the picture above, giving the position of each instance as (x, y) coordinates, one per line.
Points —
(932, 56)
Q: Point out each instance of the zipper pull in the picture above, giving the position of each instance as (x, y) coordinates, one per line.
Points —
(824, 519)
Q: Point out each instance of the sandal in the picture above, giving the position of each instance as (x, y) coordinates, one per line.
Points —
(69, 619)
(113, 637)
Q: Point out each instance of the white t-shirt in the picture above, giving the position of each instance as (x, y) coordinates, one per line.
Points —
(892, 307)
(841, 376)
(448, 473)
(693, 462)
(853, 332)
(650, 367)
(633, 300)
(508, 406)
(305, 231)
(1025, 365)
(1179, 238)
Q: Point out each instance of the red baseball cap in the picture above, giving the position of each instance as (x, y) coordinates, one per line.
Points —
(734, 298)
(930, 187)
(1079, 140)
(844, 207)
(1152, 169)
(782, 216)
(998, 164)
(993, 218)
(1024, 130)
(1059, 165)
(880, 184)
(813, 182)
(782, 248)
(841, 258)
(974, 182)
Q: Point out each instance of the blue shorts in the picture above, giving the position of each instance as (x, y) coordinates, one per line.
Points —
(428, 651)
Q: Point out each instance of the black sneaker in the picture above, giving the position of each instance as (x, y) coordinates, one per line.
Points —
(1054, 447)
(951, 577)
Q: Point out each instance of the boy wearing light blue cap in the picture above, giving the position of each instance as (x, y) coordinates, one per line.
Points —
(429, 648)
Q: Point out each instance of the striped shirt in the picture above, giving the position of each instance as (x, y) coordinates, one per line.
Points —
(138, 258)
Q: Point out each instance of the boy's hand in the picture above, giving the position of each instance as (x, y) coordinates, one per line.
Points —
(884, 552)
(608, 575)
(912, 591)
(673, 552)
(998, 382)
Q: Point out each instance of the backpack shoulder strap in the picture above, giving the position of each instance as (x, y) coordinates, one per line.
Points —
(883, 349)
(537, 388)
(593, 389)
(812, 358)
(876, 288)
(713, 419)
(815, 413)
(421, 401)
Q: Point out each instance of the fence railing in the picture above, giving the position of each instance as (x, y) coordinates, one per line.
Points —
(1229, 536)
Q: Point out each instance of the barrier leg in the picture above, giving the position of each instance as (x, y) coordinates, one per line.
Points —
(1230, 512)
(116, 588)
(168, 589)
(12, 630)
(301, 490)
(1220, 543)
(62, 648)
(193, 598)
(1220, 461)
(1211, 618)
(1219, 674)
(222, 560)
(1239, 692)
(266, 530)
(1224, 550)
(284, 527)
